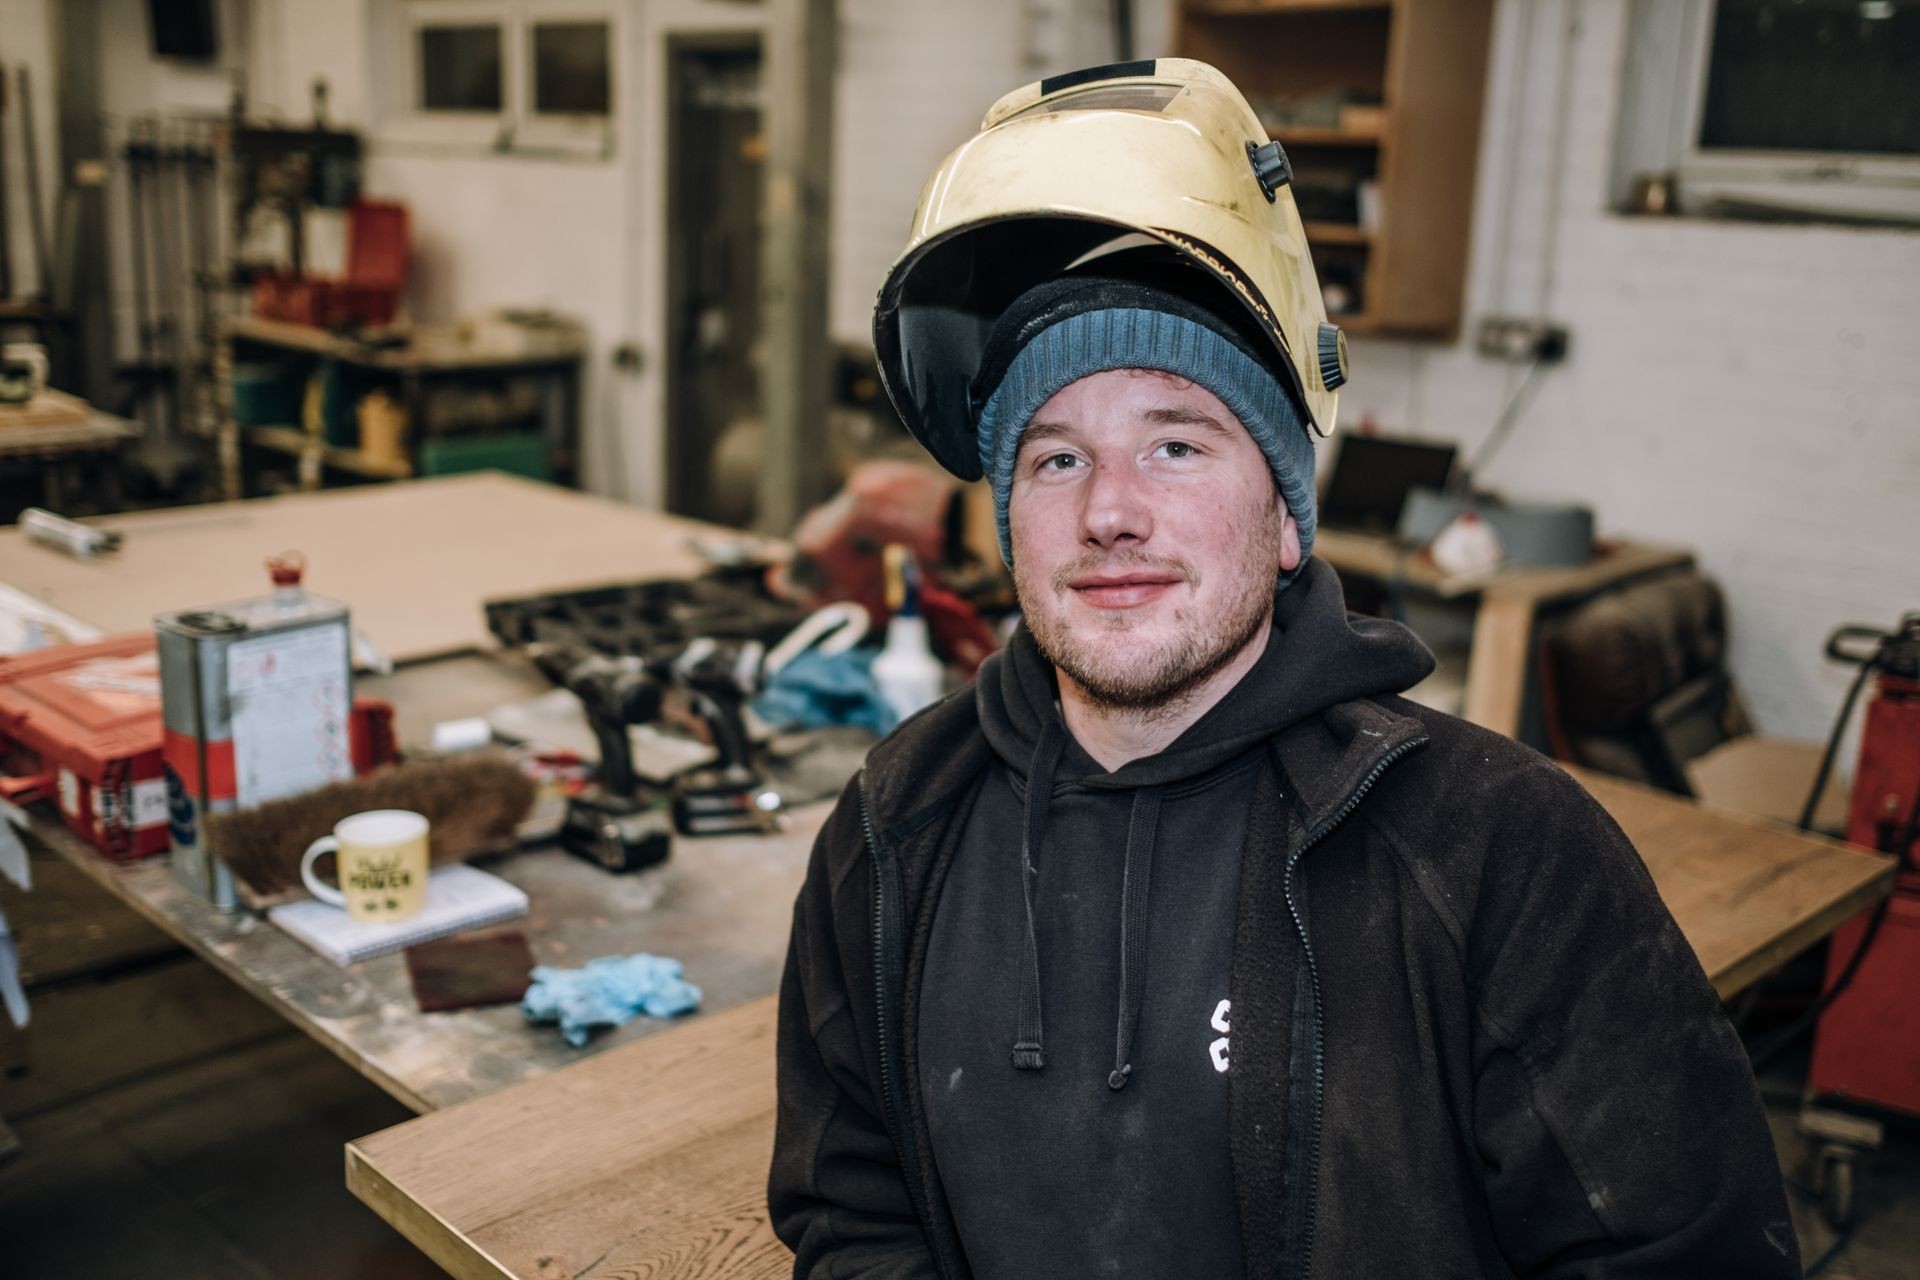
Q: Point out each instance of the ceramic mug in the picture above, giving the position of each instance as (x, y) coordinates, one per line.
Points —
(23, 372)
(382, 863)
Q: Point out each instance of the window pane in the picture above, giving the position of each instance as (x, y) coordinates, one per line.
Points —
(1814, 75)
(570, 72)
(460, 68)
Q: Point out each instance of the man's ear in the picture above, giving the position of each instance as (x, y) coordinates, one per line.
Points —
(1289, 544)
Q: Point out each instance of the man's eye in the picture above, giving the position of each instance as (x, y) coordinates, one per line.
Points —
(1176, 449)
(1059, 461)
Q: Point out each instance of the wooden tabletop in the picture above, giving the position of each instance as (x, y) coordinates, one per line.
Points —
(1383, 558)
(96, 432)
(426, 348)
(414, 561)
(647, 1161)
(1747, 892)
(651, 1160)
(720, 905)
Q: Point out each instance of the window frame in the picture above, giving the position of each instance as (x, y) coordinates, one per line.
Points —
(516, 128)
(1672, 41)
(548, 130)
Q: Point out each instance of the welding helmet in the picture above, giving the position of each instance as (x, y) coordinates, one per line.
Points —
(1162, 152)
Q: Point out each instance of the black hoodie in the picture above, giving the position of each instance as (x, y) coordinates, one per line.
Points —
(1088, 1026)
(1466, 1038)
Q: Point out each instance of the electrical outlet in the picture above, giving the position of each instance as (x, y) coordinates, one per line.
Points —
(1522, 341)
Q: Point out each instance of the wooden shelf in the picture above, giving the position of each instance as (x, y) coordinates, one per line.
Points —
(1422, 65)
(1228, 7)
(297, 443)
(1307, 135)
(1343, 233)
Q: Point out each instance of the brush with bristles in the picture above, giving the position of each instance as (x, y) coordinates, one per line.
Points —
(472, 804)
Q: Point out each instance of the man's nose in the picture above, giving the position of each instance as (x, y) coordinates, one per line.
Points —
(1118, 505)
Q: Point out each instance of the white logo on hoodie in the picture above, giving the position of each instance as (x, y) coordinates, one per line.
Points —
(1218, 1049)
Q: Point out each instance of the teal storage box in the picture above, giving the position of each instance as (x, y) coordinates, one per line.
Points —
(520, 453)
(267, 395)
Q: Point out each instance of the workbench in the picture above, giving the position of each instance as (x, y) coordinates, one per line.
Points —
(62, 454)
(1508, 602)
(421, 359)
(652, 1160)
(720, 905)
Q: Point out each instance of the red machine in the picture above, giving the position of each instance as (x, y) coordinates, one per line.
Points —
(1867, 1045)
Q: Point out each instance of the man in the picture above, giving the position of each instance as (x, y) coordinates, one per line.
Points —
(1180, 945)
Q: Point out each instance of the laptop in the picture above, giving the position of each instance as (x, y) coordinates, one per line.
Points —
(1372, 476)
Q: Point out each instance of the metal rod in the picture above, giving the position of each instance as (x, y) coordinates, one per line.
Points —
(136, 152)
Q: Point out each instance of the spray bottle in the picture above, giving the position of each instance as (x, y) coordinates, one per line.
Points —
(909, 675)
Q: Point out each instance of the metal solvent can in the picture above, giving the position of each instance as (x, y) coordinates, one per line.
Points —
(255, 702)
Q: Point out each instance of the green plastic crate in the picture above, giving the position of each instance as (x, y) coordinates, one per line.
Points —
(520, 454)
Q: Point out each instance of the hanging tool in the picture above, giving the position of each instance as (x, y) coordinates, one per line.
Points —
(6, 236)
(36, 211)
(168, 460)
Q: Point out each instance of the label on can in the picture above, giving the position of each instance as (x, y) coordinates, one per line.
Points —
(289, 701)
(149, 803)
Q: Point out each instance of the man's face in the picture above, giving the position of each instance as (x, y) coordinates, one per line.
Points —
(1148, 535)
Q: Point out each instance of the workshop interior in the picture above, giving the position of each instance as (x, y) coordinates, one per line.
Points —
(457, 542)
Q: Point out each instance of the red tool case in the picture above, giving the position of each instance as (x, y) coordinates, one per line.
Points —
(83, 721)
(80, 725)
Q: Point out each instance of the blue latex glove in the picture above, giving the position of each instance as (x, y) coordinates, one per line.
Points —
(817, 689)
(607, 992)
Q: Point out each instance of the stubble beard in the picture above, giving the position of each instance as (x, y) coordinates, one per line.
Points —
(1149, 683)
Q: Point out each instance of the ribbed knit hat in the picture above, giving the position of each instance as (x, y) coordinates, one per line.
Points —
(1126, 315)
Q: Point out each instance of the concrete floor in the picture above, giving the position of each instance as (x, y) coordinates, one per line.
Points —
(170, 1126)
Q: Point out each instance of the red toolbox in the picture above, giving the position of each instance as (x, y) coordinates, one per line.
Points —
(80, 725)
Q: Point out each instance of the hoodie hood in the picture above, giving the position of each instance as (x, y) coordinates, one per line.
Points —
(1317, 656)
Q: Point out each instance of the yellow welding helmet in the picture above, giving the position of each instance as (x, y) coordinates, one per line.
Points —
(1163, 151)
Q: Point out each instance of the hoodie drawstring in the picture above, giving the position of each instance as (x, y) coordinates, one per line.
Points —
(1136, 879)
(1029, 1052)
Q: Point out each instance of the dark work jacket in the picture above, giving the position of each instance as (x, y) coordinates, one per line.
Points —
(1468, 1039)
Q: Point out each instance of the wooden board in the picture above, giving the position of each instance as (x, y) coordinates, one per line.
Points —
(648, 1161)
(651, 1160)
(48, 408)
(1748, 893)
(414, 561)
(426, 349)
(721, 905)
(92, 433)
(1382, 558)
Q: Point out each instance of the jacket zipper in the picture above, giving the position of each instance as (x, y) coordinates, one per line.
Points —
(1313, 978)
(891, 1006)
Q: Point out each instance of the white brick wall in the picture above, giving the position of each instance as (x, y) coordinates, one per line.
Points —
(1749, 391)
(916, 76)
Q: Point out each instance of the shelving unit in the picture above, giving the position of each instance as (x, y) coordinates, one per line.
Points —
(1386, 92)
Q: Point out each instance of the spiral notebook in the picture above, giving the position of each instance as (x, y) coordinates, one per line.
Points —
(458, 898)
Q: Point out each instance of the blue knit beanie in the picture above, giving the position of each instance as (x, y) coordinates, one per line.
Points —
(1069, 328)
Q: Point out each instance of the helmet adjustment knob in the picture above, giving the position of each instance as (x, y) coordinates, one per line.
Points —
(1333, 356)
(1270, 167)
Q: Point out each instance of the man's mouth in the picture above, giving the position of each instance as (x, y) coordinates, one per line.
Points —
(1123, 590)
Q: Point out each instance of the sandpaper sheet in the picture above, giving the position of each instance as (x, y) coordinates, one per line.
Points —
(470, 971)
